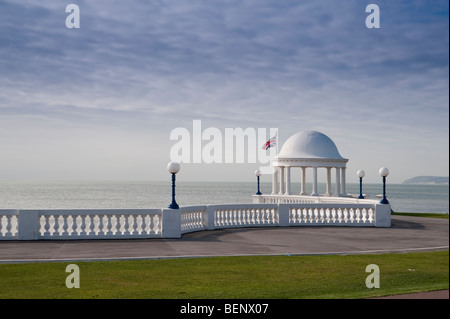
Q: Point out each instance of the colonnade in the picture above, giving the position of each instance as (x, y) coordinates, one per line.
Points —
(283, 186)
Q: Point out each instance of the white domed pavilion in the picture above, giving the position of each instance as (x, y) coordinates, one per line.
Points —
(309, 149)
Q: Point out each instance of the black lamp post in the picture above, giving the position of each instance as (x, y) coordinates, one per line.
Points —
(258, 174)
(360, 175)
(173, 168)
(384, 172)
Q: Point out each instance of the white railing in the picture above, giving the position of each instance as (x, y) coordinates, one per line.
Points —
(303, 199)
(9, 224)
(192, 219)
(172, 223)
(104, 224)
(246, 216)
(326, 214)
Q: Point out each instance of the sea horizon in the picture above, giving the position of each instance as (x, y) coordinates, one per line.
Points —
(418, 198)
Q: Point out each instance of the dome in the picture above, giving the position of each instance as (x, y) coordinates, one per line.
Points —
(309, 144)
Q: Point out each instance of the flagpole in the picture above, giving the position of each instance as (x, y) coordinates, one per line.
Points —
(276, 143)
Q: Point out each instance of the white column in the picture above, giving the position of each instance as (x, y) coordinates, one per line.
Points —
(281, 181)
(328, 193)
(288, 180)
(314, 193)
(344, 193)
(302, 191)
(274, 180)
(338, 182)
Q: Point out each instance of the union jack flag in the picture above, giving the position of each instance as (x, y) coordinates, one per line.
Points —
(270, 143)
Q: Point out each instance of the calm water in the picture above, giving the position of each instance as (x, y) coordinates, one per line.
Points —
(41, 195)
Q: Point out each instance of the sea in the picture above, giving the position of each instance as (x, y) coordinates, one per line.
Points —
(139, 194)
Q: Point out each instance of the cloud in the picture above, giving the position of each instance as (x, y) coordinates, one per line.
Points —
(152, 66)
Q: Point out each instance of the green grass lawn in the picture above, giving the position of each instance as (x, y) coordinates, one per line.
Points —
(432, 215)
(231, 277)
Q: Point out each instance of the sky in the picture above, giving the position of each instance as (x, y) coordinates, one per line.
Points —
(99, 102)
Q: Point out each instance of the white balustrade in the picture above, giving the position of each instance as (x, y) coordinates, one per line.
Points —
(192, 220)
(89, 224)
(9, 224)
(171, 223)
(245, 216)
(329, 214)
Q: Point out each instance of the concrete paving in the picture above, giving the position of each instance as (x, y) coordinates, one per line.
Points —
(407, 234)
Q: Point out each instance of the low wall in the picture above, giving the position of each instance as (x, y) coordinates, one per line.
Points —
(67, 224)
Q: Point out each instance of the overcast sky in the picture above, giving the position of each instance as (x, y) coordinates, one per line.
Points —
(100, 102)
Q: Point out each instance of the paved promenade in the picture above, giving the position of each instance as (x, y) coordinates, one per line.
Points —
(407, 234)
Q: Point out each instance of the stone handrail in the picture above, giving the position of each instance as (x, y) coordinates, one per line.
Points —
(69, 224)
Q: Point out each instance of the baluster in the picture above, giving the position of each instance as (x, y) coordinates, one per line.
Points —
(298, 215)
(266, 214)
(113, 221)
(363, 215)
(194, 220)
(316, 216)
(96, 223)
(131, 225)
(333, 215)
(87, 225)
(42, 224)
(69, 225)
(105, 225)
(186, 220)
(239, 217)
(219, 217)
(3, 222)
(371, 219)
(147, 222)
(191, 220)
(79, 224)
(51, 221)
(345, 215)
(225, 217)
(139, 224)
(4, 225)
(14, 223)
(124, 225)
(216, 216)
(60, 224)
(157, 222)
(258, 216)
(244, 217)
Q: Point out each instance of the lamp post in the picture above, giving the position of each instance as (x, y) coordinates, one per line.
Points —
(258, 174)
(360, 175)
(384, 172)
(173, 168)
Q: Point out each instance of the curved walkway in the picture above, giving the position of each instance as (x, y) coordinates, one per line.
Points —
(407, 234)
